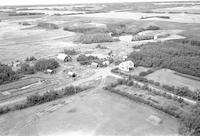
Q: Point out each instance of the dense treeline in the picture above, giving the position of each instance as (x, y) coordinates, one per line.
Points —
(37, 99)
(183, 58)
(95, 38)
(7, 74)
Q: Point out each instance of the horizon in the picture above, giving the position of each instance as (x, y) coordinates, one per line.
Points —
(66, 2)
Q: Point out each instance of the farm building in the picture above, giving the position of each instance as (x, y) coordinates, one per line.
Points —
(71, 74)
(49, 71)
(64, 57)
(94, 64)
(106, 63)
(126, 66)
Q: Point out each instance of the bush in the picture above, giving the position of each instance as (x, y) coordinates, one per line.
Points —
(87, 60)
(26, 69)
(152, 27)
(32, 58)
(95, 38)
(146, 72)
(47, 25)
(70, 52)
(7, 74)
(101, 47)
(44, 64)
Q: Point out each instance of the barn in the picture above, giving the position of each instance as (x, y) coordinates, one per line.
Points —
(64, 57)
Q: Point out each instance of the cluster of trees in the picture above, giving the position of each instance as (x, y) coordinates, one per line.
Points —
(70, 52)
(183, 58)
(44, 64)
(7, 74)
(87, 60)
(120, 29)
(95, 38)
(101, 47)
(24, 14)
(164, 17)
(142, 37)
(27, 69)
(40, 65)
(32, 58)
(183, 91)
(37, 99)
(85, 29)
(47, 25)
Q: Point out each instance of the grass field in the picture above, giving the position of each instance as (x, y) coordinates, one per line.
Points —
(168, 77)
(91, 113)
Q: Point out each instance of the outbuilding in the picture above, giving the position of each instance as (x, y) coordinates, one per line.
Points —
(49, 71)
(64, 57)
(71, 74)
(126, 66)
(95, 65)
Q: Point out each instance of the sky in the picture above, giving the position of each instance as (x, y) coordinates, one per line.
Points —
(43, 2)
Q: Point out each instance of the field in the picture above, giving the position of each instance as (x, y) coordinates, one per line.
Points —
(168, 77)
(91, 113)
(107, 31)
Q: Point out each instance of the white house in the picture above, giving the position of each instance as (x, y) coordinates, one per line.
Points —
(106, 63)
(64, 57)
(124, 58)
(126, 66)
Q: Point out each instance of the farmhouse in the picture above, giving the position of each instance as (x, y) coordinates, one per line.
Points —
(64, 57)
(126, 66)
(106, 63)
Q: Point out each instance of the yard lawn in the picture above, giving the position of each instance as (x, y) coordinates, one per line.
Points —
(92, 113)
(168, 77)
